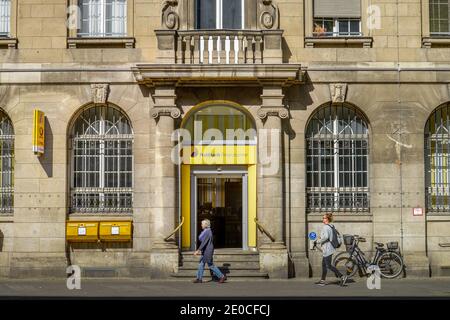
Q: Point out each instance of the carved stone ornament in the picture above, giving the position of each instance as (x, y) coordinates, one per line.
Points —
(338, 92)
(281, 112)
(173, 112)
(170, 18)
(99, 92)
(268, 15)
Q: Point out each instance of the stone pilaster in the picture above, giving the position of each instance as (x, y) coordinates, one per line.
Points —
(273, 255)
(164, 255)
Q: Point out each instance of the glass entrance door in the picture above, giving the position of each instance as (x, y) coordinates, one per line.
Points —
(222, 199)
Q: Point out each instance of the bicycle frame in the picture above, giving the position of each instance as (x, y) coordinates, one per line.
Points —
(356, 253)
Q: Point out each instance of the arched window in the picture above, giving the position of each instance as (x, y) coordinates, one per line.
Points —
(437, 161)
(337, 139)
(102, 162)
(221, 122)
(6, 165)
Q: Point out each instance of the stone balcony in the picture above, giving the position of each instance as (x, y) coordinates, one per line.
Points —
(219, 47)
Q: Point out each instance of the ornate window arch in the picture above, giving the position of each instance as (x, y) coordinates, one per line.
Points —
(101, 161)
(337, 159)
(437, 160)
(6, 164)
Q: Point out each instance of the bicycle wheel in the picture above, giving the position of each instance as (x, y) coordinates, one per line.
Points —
(390, 264)
(345, 264)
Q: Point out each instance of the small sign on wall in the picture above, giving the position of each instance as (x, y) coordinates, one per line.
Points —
(38, 132)
(417, 211)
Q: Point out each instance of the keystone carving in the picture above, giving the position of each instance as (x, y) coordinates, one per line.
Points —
(99, 92)
(170, 17)
(281, 112)
(173, 112)
(268, 15)
(338, 92)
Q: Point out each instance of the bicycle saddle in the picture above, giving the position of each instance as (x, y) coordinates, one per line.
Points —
(379, 244)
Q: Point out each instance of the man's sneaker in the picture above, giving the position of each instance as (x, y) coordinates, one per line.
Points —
(343, 280)
(321, 283)
(197, 281)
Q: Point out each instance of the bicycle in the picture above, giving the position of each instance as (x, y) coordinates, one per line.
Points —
(389, 261)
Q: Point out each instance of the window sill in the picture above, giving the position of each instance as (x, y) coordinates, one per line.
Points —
(100, 217)
(342, 217)
(6, 217)
(435, 216)
(8, 43)
(436, 41)
(344, 41)
(100, 42)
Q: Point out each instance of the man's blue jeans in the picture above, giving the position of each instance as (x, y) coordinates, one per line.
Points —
(212, 267)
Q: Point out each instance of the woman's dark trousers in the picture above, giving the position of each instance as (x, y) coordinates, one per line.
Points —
(326, 264)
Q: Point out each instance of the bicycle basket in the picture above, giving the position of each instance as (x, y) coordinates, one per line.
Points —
(392, 245)
(348, 239)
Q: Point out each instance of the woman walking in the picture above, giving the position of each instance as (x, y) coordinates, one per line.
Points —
(326, 236)
(206, 249)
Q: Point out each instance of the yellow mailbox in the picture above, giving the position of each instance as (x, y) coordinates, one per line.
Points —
(115, 231)
(79, 231)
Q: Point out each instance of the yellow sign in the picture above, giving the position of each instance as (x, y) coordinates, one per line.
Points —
(38, 131)
(219, 154)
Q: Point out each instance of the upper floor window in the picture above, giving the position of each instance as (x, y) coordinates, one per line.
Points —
(337, 18)
(5, 17)
(437, 160)
(6, 164)
(220, 14)
(439, 17)
(337, 158)
(103, 18)
(102, 162)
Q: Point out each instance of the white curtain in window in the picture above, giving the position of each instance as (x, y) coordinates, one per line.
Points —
(103, 18)
(5, 12)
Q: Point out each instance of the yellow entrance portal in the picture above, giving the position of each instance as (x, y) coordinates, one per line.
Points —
(226, 158)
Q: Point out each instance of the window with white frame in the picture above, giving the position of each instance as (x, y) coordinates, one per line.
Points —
(220, 14)
(103, 18)
(439, 17)
(6, 165)
(5, 18)
(334, 18)
(437, 160)
(102, 162)
(337, 159)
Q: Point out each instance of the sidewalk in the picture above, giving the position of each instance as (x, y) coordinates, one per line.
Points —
(436, 287)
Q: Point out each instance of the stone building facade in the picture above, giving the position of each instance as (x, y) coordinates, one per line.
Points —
(357, 96)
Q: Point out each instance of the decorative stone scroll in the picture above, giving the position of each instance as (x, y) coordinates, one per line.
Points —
(173, 112)
(338, 92)
(268, 15)
(99, 93)
(170, 17)
(281, 112)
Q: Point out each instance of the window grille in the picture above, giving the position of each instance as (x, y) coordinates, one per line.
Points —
(337, 142)
(6, 165)
(102, 162)
(437, 161)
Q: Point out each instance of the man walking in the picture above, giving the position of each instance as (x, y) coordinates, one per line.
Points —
(206, 249)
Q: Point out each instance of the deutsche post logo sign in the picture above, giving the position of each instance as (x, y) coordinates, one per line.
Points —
(38, 132)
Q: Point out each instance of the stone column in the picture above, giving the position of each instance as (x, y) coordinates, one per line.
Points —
(273, 254)
(164, 254)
